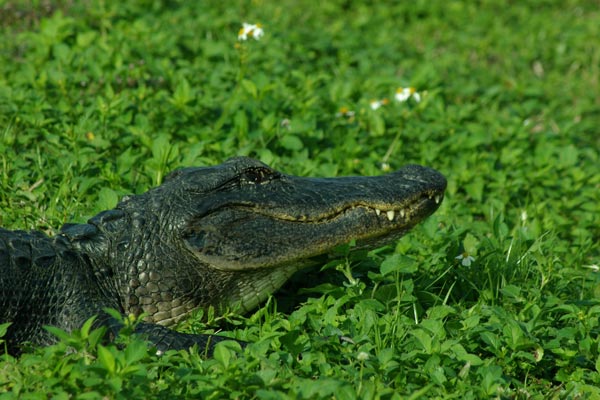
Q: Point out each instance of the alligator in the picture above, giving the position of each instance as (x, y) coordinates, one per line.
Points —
(225, 236)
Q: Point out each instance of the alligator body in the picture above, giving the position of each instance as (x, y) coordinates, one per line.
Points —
(223, 236)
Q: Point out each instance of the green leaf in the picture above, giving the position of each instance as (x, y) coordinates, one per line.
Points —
(475, 189)
(59, 333)
(568, 156)
(471, 243)
(250, 88)
(440, 312)
(265, 155)
(461, 354)
(377, 125)
(96, 336)
(291, 142)
(424, 338)
(107, 359)
(107, 199)
(114, 314)
(398, 263)
(268, 122)
(4, 328)
(223, 354)
(240, 121)
(89, 396)
(513, 335)
(85, 39)
(182, 94)
(470, 322)
(491, 339)
(135, 351)
(513, 293)
(87, 326)
(161, 147)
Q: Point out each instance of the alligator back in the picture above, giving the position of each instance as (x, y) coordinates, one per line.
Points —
(43, 282)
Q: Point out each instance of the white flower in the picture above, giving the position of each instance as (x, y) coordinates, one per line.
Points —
(403, 94)
(345, 112)
(375, 104)
(524, 215)
(286, 123)
(465, 259)
(250, 30)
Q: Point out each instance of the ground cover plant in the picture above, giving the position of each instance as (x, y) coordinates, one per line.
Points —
(494, 296)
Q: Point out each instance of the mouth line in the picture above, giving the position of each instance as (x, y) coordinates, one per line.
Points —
(389, 212)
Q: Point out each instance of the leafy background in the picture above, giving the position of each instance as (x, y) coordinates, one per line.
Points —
(100, 99)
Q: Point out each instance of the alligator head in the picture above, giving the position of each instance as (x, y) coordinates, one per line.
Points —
(231, 234)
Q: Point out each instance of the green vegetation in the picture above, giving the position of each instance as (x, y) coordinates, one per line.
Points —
(99, 99)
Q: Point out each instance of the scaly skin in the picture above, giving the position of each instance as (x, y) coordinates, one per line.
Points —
(222, 236)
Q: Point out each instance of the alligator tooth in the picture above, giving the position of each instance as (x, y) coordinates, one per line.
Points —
(390, 215)
(437, 199)
(402, 213)
(377, 211)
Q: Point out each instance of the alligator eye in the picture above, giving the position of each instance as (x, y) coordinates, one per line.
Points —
(257, 175)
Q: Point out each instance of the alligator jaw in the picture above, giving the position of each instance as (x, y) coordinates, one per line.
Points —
(259, 277)
(279, 226)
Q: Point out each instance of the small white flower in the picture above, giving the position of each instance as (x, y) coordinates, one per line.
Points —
(385, 167)
(403, 94)
(362, 356)
(465, 259)
(286, 123)
(250, 30)
(345, 112)
(375, 104)
(524, 215)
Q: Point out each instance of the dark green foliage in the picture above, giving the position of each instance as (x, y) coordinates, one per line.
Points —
(99, 99)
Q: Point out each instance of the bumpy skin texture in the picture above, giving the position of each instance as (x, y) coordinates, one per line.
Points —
(223, 236)
(42, 282)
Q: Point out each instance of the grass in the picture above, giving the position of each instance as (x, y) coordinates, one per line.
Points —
(100, 99)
